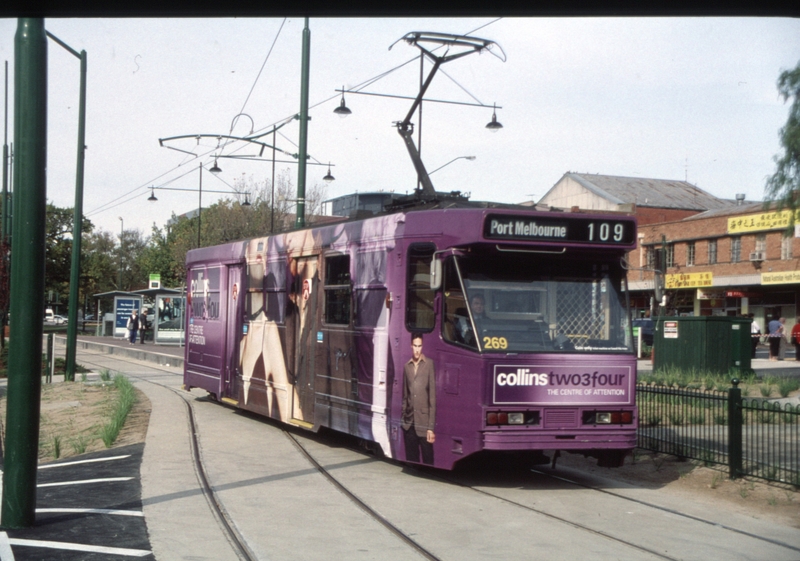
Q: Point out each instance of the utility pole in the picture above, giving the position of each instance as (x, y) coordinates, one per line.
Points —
(27, 275)
(300, 220)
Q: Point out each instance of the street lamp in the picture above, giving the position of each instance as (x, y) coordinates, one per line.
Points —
(153, 198)
(328, 177)
(494, 125)
(470, 158)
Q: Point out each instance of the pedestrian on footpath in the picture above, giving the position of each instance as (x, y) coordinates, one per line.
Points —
(133, 326)
(796, 340)
(755, 333)
(777, 329)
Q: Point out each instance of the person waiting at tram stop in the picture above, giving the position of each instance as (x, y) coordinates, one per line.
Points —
(133, 326)
(143, 325)
(777, 329)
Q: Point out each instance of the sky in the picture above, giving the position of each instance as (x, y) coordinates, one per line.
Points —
(667, 98)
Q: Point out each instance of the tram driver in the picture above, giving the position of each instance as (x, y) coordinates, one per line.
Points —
(464, 327)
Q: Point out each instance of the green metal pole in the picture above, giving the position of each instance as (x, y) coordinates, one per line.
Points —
(735, 419)
(27, 274)
(300, 221)
(4, 231)
(77, 230)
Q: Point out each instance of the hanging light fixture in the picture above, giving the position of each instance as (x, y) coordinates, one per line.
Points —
(152, 196)
(495, 125)
(215, 168)
(342, 110)
(328, 177)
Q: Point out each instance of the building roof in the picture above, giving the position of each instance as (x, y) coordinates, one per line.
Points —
(644, 192)
(746, 208)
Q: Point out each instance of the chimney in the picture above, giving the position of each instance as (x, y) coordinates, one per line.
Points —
(740, 198)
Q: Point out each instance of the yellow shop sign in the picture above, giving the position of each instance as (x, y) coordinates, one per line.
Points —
(688, 280)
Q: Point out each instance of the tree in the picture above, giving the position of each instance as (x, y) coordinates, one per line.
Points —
(133, 275)
(158, 257)
(225, 221)
(58, 252)
(783, 186)
(99, 265)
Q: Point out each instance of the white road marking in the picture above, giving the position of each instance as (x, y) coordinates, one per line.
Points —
(67, 464)
(81, 547)
(90, 511)
(5, 548)
(85, 481)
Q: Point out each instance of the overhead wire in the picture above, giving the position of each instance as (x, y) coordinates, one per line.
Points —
(133, 193)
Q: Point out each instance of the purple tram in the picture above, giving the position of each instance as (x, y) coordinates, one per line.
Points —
(523, 315)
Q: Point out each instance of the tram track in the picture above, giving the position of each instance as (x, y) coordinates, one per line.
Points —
(238, 542)
(244, 552)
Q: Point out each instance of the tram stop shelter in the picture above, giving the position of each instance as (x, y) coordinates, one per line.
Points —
(165, 308)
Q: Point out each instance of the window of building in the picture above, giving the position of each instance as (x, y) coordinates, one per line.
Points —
(712, 252)
(690, 254)
(338, 290)
(419, 301)
(670, 255)
(736, 249)
(651, 257)
(786, 247)
(761, 242)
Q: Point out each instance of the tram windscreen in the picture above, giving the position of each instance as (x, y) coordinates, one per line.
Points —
(527, 303)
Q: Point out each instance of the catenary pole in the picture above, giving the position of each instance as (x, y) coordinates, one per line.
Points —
(77, 219)
(27, 275)
(300, 220)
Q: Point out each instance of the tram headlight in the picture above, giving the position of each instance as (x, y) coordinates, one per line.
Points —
(607, 417)
(499, 418)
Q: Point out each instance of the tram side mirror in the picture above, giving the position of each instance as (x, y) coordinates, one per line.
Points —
(436, 274)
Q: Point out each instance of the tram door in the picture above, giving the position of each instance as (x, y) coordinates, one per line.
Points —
(308, 300)
(233, 331)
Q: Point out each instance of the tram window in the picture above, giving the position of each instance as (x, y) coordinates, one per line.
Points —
(419, 302)
(338, 290)
(456, 324)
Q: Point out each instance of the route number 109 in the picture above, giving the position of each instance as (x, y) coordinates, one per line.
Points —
(603, 232)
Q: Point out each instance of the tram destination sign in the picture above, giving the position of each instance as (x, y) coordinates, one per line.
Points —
(511, 227)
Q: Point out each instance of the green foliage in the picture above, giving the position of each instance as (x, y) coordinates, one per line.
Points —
(788, 385)
(783, 185)
(56, 439)
(126, 397)
(58, 251)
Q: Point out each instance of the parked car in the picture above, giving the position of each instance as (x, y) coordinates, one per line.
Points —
(58, 320)
(645, 325)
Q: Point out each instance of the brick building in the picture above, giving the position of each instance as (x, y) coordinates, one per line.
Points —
(729, 261)
(723, 257)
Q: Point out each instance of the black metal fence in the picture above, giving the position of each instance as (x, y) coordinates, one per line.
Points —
(752, 436)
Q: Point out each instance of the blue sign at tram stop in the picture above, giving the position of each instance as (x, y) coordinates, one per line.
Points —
(123, 307)
(715, 343)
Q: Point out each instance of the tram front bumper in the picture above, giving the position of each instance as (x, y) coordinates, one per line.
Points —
(558, 440)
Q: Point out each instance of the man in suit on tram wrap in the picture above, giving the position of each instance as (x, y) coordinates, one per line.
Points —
(419, 404)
